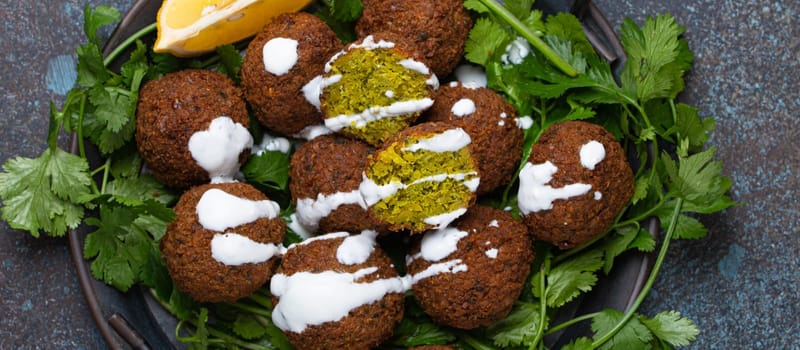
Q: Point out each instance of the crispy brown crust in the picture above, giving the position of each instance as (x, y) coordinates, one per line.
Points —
(364, 327)
(486, 292)
(278, 101)
(577, 220)
(496, 141)
(330, 164)
(171, 109)
(186, 249)
(438, 27)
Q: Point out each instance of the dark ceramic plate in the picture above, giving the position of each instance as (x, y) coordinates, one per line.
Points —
(135, 320)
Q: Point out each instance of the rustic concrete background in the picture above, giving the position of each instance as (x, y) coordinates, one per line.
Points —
(740, 284)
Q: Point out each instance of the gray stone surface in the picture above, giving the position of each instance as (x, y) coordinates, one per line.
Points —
(740, 284)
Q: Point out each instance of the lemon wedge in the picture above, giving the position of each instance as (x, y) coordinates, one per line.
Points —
(194, 27)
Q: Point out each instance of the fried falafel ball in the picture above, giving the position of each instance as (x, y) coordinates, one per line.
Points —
(574, 185)
(337, 291)
(438, 27)
(175, 107)
(325, 174)
(496, 252)
(223, 243)
(422, 178)
(284, 57)
(376, 87)
(491, 123)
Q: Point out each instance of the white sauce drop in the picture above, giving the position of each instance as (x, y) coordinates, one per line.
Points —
(374, 193)
(389, 93)
(598, 195)
(452, 266)
(311, 210)
(516, 51)
(414, 65)
(471, 76)
(308, 299)
(463, 107)
(501, 123)
(272, 144)
(217, 149)
(592, 153)
(218, 210)
(360, 120)
(439, 244)
(312, 131)
(444, 219)
(492, 253)
(494, 223)
(524, 122)
(451, 140)
(534, 192)
(298, 228)
(280, 55)
(368, 43)
(233, 249)
(356, 249)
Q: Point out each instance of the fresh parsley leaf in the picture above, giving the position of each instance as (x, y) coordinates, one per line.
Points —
(248, 327)
(689, 125)
(485, 39)
(230, 61)
(567, 27)
(346, 10)
(580, 343)
(519, 8)
(476, 6)
(95, 18)
(669, 326)
(619, 242)
(697, 179)
(518, 328)
(270, 169)
(643, 242)
(39, 194)
(687, 227)
(570, 278)
(119, 249)
(634, 335)
(410, 334)
(91, 70)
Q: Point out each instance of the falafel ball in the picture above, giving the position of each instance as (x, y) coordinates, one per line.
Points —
(223, 243)
(376, 87)
(438, 27)
(496, 251)
(176, 106)
(422, 178)
(284, 57)
(491, 123)
(574, 185)
(324, 177)
(337, 291)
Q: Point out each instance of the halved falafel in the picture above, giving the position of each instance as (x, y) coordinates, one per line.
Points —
(337, 291)
(376, 87)
(491, 123)
(438, 27)
(422, 178)
(576, 182)
(283, 58)
(223, 242)
(497, 252)
(173, 108)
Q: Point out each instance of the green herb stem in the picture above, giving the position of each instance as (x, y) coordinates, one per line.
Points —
(130, 40)
(528, 34)
(232, 340)
(260, 300)
(542, 300)
(571, 322)
(251, 309)
(650, 280)
(474, 343)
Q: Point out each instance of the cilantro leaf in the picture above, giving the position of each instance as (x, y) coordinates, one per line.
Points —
(697, 180)
(644, 242)
(476, 6)
(617, 244)
(518, 328)
(248, 327)
(346, 10)
(581, 343)
(270, 168)
(95, 18)
(409, 334)
(485, 39)
(91, 70)
(230, 61)
(669, 326)
(689, 125)
(687, 227)
(40, 193)
(519, 8)
(570, 278)
(119, 250)
(634, 335)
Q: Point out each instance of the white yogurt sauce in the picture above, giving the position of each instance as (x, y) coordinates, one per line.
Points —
(217, 149)
(598, 195)
(272, 144)
(218, 210)
(524, 122)
(439, 244)
(374, 193)
(494, 223)
(592, 153)
(471, 76)
(312, 131)
(444, 219)
(451, 140)
(492, 253)
(313, 89)
(298, 228)
(356, 249)
(311, 210)
(414, 65)
(463, 107)
(360, 120)
(516, 51)
(451, 266)
(280, 55)
(233, 249)
(535, 194)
